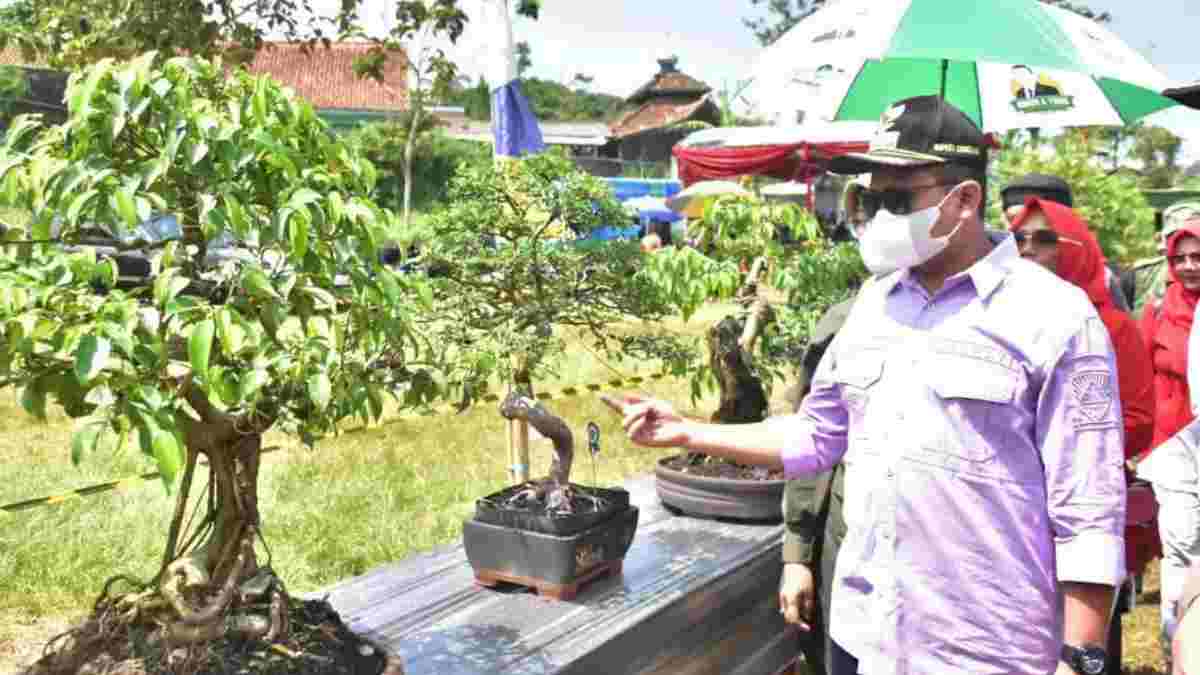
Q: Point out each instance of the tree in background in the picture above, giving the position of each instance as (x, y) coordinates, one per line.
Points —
(524, 58)
(1155, 150)
(1112, 203)
(582, 82)
(781, 16)
(72, 33)
(514, 273)
(1158, 151)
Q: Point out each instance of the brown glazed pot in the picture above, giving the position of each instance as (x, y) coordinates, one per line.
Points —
(755, 500)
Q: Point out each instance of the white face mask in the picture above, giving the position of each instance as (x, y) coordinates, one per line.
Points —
(894, 242)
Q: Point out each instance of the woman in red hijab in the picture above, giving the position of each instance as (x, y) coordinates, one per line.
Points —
(1172, 466)
(1052, 235)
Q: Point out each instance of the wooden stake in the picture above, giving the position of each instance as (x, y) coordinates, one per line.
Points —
(518, 448)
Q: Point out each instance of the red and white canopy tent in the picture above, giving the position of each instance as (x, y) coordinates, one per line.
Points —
(796, 153)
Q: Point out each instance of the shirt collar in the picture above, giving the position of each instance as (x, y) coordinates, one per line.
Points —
(986, 274)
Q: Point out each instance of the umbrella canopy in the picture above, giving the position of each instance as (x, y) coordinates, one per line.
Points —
(1007, 64)
(691, 202)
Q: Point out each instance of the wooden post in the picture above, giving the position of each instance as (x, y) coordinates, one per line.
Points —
(518, 433)
(518, 451)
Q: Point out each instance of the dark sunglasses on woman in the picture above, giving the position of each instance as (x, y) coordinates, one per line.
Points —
(1041, 238)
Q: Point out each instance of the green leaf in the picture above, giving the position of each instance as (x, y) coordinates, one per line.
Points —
(322, 299)
(91, 357)
(126, 206)
(106, 273)
(337, 207)
(232, 336)
(199, 151)
(303, 197)
(200, 347)
(77, 206)
(320, 390)
(167, 286)
(168, 453)
(298, 234)
(256, 282)
(84, 440)
(33, 399)
(252, 383)
(236, 215)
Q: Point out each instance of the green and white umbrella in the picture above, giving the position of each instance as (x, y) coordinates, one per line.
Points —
(1008, 64)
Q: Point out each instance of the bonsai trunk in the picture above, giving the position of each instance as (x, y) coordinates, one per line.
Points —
(730, 348)
(555, 490)
(210, 584)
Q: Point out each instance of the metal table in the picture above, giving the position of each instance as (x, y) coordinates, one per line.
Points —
(696, 596)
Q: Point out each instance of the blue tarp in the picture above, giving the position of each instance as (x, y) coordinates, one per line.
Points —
(631, 188)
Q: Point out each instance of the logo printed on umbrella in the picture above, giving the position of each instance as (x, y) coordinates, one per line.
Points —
(1037, 92)
(843, 33)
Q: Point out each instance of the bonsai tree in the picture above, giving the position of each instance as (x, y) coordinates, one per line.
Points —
(515, 269)
(312, 329)
(808, 276)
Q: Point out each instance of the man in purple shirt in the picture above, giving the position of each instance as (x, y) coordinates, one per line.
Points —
(971, 396)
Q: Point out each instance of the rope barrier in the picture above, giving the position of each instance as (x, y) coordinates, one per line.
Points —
(490, 397)
(80, 493)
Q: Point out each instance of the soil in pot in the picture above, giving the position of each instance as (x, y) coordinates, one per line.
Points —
(319, 643)
(588, 506)
(712, 467)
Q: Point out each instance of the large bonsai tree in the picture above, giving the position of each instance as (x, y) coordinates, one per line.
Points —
(304, 331)
(515, 268)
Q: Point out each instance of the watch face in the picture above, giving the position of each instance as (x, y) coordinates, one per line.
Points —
(1092, 661)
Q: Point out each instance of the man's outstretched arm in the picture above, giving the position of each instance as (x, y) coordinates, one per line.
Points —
(806, 443)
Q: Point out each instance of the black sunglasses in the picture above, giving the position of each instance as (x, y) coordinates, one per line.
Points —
(1041, 238)
(897, 202)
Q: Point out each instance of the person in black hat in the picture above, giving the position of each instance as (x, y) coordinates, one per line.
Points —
(1057, 190)
(970, 396)
(1040, 185)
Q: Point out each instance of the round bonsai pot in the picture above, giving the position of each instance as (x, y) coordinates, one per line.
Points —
(740, 499)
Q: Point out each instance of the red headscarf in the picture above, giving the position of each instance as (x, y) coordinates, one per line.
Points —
(1080, 261)
(1166, 326)
(1179, 304)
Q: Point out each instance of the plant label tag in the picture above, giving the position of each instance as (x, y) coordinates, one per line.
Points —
(593, 432)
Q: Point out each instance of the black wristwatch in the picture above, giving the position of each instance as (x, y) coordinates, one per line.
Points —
(1085, 660)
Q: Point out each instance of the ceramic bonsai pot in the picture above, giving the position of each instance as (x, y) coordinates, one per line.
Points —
(709, 497)
(555, 554)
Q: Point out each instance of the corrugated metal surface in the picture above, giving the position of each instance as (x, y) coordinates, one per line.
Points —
(696, 596)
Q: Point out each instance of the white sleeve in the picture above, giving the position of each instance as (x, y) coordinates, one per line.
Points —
(1193, 366)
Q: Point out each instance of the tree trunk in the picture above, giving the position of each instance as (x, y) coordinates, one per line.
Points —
(730, 348)
(410, 144)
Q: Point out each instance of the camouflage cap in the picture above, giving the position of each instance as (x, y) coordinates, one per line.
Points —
(1177, 214)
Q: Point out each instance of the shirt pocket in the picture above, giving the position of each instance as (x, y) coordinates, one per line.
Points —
(970, 411)
(856, 374)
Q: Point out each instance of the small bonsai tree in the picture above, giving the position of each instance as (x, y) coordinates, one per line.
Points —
(308, 314)
(515, 268)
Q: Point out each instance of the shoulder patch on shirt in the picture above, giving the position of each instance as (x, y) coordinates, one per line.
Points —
(1091, 394)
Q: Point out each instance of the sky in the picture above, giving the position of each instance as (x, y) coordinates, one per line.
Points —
(618, 41)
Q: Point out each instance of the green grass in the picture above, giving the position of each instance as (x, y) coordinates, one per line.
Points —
(355, 502)
(360, 500)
